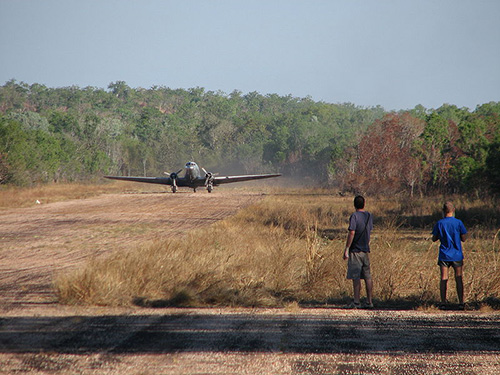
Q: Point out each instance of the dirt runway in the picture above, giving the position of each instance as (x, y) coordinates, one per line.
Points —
(38, 336)
(37, 242)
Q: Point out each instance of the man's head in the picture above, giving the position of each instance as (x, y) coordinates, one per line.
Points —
(359, 202)
(448, 208)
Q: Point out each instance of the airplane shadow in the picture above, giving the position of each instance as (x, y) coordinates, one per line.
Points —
(247, 332)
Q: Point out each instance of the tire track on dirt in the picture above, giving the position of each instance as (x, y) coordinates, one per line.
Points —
(38, 242)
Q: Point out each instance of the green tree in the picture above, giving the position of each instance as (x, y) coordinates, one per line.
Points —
(492, 167)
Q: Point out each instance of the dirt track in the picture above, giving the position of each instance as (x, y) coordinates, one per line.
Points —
(39, 336)
(37, 242)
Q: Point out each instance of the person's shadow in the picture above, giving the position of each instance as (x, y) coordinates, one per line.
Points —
(187, 330)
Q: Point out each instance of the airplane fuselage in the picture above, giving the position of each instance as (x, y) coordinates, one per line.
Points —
(192, 172)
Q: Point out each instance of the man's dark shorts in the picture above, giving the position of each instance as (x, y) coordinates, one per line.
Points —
(358, 266)
(444, 263)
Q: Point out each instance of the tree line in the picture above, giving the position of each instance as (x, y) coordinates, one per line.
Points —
(74, 134)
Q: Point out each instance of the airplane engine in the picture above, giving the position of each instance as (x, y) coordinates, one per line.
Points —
(209, 180)
(174, 176)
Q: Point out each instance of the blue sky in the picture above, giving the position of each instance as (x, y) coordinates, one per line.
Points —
(393, 53)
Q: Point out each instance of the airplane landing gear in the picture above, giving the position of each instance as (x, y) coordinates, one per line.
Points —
(209, 180)
(173, 177)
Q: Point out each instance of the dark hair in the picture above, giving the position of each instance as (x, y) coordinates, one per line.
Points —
(359, 202)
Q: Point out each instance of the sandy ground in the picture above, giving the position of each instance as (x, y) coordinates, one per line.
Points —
(38, 336)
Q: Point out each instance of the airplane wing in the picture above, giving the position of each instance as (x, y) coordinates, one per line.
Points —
(150, 180)
(218, 180)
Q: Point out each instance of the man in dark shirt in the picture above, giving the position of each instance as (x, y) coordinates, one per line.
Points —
(357, 251)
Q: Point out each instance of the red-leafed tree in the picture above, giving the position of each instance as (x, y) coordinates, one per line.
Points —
(386, 158)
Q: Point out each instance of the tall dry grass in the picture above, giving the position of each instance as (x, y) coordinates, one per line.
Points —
(288, 248)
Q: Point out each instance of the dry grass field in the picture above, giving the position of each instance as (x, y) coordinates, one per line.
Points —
(287, 249)
(233, 282)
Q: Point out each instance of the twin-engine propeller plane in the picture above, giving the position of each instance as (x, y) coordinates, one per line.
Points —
(193, 178)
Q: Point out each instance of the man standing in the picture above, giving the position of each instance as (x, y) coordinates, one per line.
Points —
(451, 232)
(357, 249)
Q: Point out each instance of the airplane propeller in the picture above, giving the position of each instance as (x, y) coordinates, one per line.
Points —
(209, 180)
(193, 178)
(173, 177)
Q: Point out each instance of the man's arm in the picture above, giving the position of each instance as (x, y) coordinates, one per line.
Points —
(435, 232)
(463, 232)
(348, 243)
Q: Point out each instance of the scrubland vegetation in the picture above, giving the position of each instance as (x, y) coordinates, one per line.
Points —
(287, 250)
(73, 134)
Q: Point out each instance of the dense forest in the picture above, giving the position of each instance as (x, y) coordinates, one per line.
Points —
(78, 134)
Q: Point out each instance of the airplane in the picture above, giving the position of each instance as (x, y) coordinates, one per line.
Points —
(193, 178)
